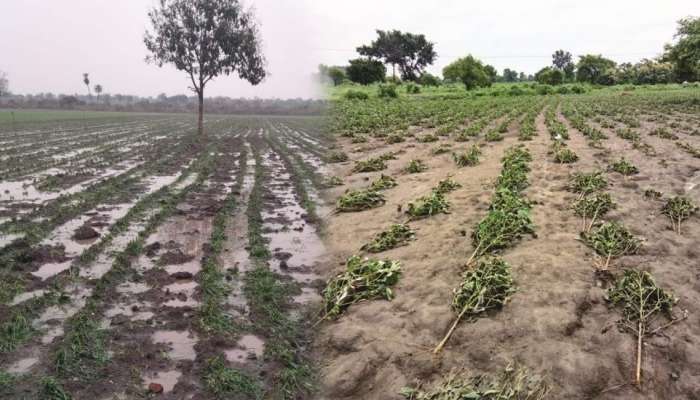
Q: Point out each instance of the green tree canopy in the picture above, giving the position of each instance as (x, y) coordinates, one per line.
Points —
(595, 69)
(550, 76)
(410, 52)
(685, 53)
(510, 75)
(562, 61)
(468, 70)
(365, 71)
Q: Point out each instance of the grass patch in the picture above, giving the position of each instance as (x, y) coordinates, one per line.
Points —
(363, 279)
(358, 200)
(611, 240)
(486, 287)
(52, 390)
(397, 235)
(227, 383)
(678, 209)
(640, 301)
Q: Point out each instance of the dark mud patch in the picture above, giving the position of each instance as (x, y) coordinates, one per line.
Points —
(175, 257)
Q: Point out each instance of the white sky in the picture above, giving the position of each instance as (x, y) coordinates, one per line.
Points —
(46, 45)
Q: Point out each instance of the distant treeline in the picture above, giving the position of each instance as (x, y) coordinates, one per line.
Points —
(163, 103)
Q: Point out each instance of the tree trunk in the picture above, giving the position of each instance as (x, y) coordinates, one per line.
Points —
(200, 119)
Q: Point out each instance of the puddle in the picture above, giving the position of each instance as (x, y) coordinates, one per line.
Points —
(168, 379)
(181, 343)
(248, 347)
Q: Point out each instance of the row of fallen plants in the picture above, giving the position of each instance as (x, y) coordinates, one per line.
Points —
(489, 284)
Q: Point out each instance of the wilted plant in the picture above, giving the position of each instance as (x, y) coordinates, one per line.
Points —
(640, 301)
(447, 185)
(415, 166)
(382, 183)
(512, 384)
(370, 165)
(624, 167)
(442, 149)
(493, 136)
(425, 206)
(358, 200)
(397, 235)
(390, 155)
(333, 181)
(427, 138)
(337, 157)
(678, 209)
(652, 194)
(363, 279)
(486, 287)
(395, 138)
(359, 139)
(564, 155)
(468, 158)
(587, 183)
(612, 240)
(592, 207)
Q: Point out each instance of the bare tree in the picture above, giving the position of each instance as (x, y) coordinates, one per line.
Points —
(4, 84)
(206, 38)
(86, 81)
(98, 90)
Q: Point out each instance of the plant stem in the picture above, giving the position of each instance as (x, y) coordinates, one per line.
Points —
(444, 340)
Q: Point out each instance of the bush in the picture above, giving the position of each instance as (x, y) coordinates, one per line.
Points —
(356, 95)
(412, 88)
(388, 91)
(578, 89)
(429, 80)
(549, 76)
(563, 90)
(544, 89)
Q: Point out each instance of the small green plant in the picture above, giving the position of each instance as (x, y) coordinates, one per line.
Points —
(447, 185)
(363, 279)
(486, 287)
(678, 209)
(564, 155)
(337, 157)
(356, 95)
(592, 207)
(52, 390)
(468, 158)
(610, 240)
(226, 382)
(426, 206)
(397, 235)
(493, 136)
(586, 183)
(624, 167)
(370, 165)
(640, 300)
(358, 200)
(427, 138)
(415, 166)
(395, 138)
(514, 383)
(382, 183)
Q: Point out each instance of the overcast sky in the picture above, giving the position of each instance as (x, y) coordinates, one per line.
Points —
(46, 45)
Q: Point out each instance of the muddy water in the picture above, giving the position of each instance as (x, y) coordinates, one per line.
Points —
(295, 244)
(248, 347)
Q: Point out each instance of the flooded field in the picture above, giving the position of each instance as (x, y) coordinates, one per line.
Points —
(138, 262)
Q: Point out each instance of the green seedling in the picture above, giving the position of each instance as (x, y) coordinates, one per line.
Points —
(678, 209)
(415, 166)
(486, 287)
(397, 235)
(624, 167)
(586, 183)
(363, 279)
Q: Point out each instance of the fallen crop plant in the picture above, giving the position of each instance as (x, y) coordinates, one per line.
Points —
(370, 165)
(447, 185)
(363, 279)
(415, 166)
(426, 206)
(358, 200)
(640, 300)
(678, 209)
(468, 158)
(382, 183)
(610, 240)
(397, 235)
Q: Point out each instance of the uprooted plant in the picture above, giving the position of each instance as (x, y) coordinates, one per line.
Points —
(363, 279)
(678, 209)
(415, 166)
(358, 200)
(426, 206)
(514, 383)
(337, 157)
(592, 207)
(641, 301)
(370, 165)
(382, 183)
(447, 185)
(470, 157)
(610, 240)
(486, 287)
(397, 235)
(586, 183)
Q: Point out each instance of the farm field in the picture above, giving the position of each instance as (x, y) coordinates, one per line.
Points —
(135, 262)
(556, 235)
